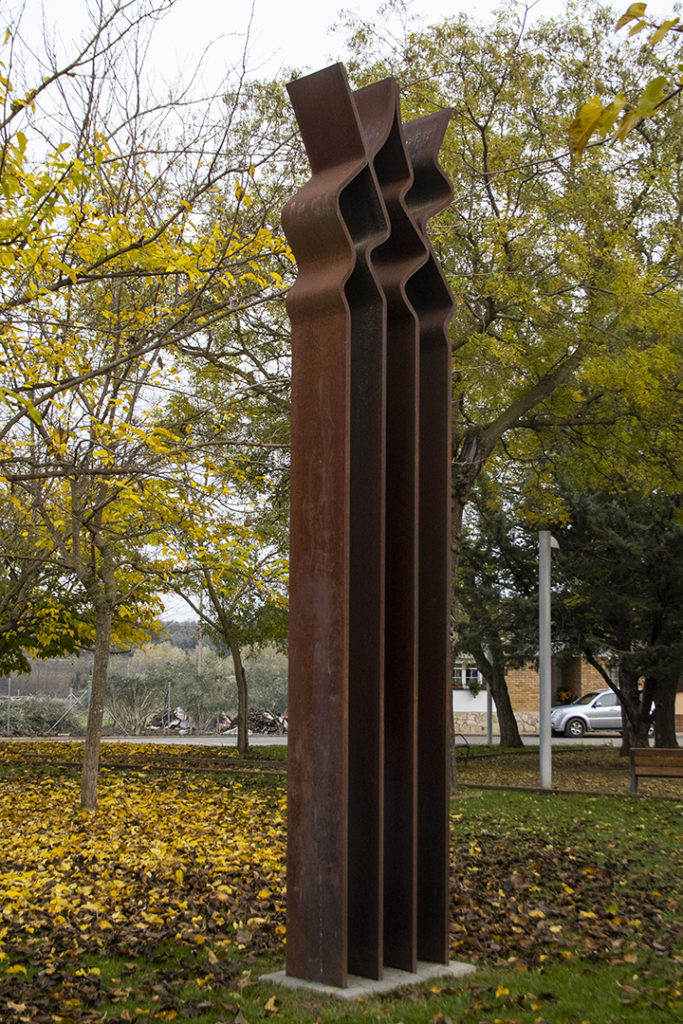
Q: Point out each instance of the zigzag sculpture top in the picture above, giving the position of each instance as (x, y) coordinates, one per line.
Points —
(431, 193)
(374, 181)
(325, 242)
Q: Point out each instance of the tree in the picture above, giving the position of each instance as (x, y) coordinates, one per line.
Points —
(230, 525)
(42, 613)
(496, 606)
(619, 573)
(617, 581)
(267, 671)
(232, 575)
(595, 118)
(134, 697)
(562, 274)
(115, 250)
(181, 633)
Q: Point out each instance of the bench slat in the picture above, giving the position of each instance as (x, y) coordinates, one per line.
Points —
(656, 762)
(654, 756)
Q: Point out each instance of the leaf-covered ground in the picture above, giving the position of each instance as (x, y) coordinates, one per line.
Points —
(140, 755)
(166, 858)
(582, 769)
(546, 877)
(169, 900)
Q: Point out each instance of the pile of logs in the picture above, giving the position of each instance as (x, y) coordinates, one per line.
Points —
(261, 721)
(179, 721)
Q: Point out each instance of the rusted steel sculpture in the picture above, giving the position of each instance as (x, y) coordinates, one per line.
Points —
(369, 677)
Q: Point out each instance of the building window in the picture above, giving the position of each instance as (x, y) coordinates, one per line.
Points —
(466, 676)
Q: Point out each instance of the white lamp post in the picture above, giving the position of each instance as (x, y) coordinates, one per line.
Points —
(545, 544)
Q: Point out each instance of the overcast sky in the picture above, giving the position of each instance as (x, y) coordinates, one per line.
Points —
(286, 34)
(281, 33)
(289, 34)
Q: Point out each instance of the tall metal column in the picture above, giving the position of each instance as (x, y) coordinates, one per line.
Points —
(367, 870)
(545, 545)
(396, 260)
(430, 295)
(325, 243)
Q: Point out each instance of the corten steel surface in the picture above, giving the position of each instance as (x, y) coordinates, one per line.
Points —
(396, 260)
(366, 589)
(332, 225)
(433, 302)
(368, 313)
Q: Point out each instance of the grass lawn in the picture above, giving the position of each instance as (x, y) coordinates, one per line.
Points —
(168, 903)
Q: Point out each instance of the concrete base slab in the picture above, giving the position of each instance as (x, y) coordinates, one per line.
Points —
(362, 988)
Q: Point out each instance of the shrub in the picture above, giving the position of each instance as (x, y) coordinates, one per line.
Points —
(35, 716)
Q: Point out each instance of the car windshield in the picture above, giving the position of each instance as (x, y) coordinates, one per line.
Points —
(587, 698)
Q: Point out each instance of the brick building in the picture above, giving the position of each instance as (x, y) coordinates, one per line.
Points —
(570, 679)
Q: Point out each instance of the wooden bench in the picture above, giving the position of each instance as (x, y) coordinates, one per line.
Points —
(465, 745)
(657, 762)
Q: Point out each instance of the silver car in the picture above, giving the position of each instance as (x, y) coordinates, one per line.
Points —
(593, 712)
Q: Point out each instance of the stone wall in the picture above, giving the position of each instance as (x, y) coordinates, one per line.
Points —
(473, 723)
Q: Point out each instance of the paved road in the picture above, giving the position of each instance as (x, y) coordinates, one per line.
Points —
(259, 741)
(199, 741)
(196, 741)
(599, 739)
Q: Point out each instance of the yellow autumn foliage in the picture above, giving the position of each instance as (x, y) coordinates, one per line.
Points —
(168, 855)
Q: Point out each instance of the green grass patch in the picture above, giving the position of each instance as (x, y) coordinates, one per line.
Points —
(211, 987)
(268, 752)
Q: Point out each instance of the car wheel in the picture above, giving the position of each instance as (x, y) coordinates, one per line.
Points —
(575, 728)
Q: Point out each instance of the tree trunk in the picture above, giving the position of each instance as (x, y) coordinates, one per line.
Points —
(665, 713)
(242, 698)
(230, 637)
(493, 671)
(636, 729)
(453, 764)
(93, 735)
(507, 723)
(458, 499)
